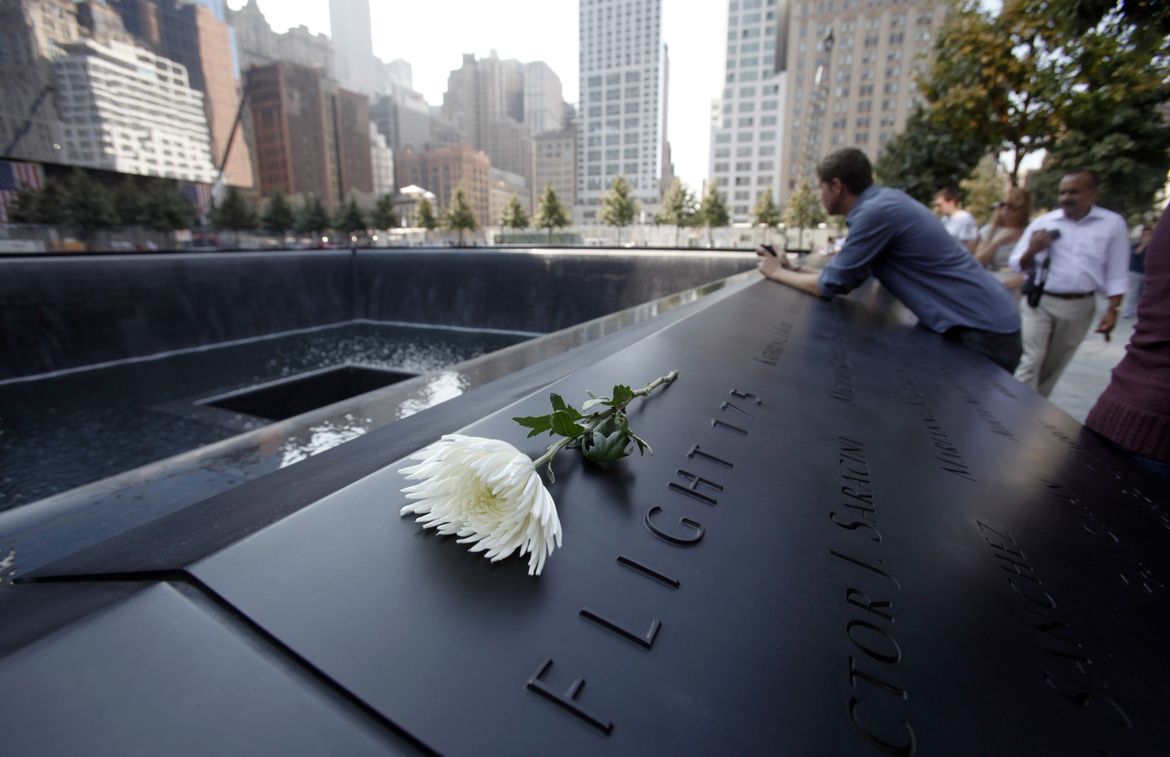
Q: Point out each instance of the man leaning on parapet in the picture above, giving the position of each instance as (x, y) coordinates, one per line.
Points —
(1078, 250)
(899, 241)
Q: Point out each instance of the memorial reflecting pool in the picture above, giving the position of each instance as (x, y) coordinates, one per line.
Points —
(64, 431)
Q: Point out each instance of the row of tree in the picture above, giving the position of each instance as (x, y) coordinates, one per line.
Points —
(1085, 80)
(680, 208)
(78, 201)
(158, 204)
(236, 213)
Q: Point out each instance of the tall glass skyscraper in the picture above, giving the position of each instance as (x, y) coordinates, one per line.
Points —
(349, 26)
(622, 116)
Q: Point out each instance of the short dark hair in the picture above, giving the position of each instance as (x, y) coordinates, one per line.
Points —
(1094, 180)
(950, 194)
(850, 166)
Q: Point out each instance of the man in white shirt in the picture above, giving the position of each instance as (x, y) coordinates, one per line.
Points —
(1087, 251)
(960, 224)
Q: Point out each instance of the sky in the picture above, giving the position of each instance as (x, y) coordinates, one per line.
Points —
(433, 36)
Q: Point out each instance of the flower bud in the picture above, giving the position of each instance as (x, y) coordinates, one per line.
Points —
(608, 442)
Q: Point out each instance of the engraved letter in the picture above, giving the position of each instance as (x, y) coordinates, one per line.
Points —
(696, 451)
(861, 599)
(889, 658)
(1014, 566)
(696, 481)
(1047, 602)
(905, 750)
(682, 541)
(854, 525)
(733, 406)
(662, 577)
(867, 566)
(745, 396)
(720, 424)
(1083, 697)
(568, 699)
(645, 641)
(855, 673)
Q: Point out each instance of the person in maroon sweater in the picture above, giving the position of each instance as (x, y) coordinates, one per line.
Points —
(1134, 410)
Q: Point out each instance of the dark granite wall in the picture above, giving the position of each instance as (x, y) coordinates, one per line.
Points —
(65, 312)
(524, 291)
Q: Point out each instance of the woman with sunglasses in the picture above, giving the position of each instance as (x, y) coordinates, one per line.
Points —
(998, 237)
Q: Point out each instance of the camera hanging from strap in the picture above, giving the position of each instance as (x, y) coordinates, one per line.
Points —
(1033, 287)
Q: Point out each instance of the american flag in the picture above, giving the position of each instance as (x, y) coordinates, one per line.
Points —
(200, 196)
(13, 178)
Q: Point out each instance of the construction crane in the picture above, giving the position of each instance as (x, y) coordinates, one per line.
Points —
(818, 108)
(217, 188)
(10, 148)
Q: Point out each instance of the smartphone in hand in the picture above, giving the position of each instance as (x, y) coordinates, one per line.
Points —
(768, 249)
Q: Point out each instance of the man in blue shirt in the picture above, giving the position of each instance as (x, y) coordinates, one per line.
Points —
(898, 240)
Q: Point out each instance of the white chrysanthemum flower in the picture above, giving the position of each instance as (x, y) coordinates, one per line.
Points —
(488, 494)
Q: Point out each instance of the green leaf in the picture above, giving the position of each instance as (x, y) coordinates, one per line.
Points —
(560, 406)
(643, 445)
(595, 402)
(622, 395)
(538, 423)
(565, 424)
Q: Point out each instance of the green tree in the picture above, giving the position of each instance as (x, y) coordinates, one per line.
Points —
(279, 217)
(234, 213)
(766, 213)
(425, 216)
(803, 211)
(926, 157)
(313, 218)
(130, 203)
(459, 216)
(619, 207)
(983, 188)
(1109, 109)
(514, 216)
(1149, 20)
(712, 212)
(167, 209)
(678, 208)
(44, 206)
(350, 218)
(88, 205)
(384, 216)
(996, 79)
(550, 214)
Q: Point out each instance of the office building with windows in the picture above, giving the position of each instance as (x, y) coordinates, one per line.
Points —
(879, 46)
(773, 120)
(747, 126)
(125, 109)
(622, 115)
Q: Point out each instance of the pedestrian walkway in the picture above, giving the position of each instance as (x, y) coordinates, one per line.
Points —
(1089, 372)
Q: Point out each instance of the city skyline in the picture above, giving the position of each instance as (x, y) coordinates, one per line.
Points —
(519, 29)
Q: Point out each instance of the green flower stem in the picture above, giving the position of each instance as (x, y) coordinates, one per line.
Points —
(552, 451)
(667, 379)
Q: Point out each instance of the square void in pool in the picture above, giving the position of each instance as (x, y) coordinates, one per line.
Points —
(308, 391)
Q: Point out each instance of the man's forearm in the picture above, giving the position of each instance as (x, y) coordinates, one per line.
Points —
(805, 281)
